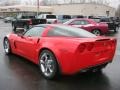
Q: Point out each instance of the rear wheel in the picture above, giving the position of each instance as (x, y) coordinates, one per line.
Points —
(48, 64)
(6, 45)
(96, 32)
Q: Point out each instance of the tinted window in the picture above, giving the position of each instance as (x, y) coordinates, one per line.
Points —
(35, 32)
(27, 17)
(80, 22)
(66, 17)
(51, 16)
(68, 31)
(105, 20)
(77, 16)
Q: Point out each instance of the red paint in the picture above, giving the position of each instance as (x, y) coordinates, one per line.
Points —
(73, 54)
(103, 27)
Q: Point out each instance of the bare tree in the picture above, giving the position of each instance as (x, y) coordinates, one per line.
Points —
(47, 2)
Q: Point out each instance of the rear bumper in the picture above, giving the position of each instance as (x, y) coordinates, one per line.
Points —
(76, 63)
(102, 65)
(73, 69)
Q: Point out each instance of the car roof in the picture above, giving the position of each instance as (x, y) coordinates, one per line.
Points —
(87, 19)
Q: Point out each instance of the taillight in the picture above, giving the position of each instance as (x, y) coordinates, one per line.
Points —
(82, 48)
(90, 46)
(55, 22)
(30, 22)
(113, 43)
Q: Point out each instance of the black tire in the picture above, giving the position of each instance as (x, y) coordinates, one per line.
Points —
(96, 32)
(6, 45)
(48, 64)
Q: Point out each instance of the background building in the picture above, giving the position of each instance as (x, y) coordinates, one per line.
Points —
(84, 9)
(18, 9)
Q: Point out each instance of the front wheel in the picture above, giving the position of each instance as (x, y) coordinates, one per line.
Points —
(96, 32)
(48, 64)
(6, 45)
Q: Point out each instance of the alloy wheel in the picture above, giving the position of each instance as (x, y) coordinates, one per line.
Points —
(96, 32)
(6, 46)
(47, 65)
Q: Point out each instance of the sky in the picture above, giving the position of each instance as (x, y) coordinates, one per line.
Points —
(115, 3)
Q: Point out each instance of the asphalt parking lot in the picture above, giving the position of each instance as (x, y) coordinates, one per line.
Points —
(16, 73)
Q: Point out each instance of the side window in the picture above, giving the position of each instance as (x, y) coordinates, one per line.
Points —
(35, 32)
(80, 22)
(55, 32)
(61, 32)
(68, 31)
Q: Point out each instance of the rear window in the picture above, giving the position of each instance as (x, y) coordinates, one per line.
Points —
(68, 31)
(28, 17)
(66, 17)
(50, 16)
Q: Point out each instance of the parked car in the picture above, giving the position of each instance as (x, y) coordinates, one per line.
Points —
(112, 25)
(63, 18)
(50, 18)
(61, 49)
(26, 21)
(77, 16)
(89, 25)
(116, 20)
(1, 17)
(8, 19)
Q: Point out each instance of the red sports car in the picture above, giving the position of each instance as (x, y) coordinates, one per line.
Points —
(89, 25)
(61, 49)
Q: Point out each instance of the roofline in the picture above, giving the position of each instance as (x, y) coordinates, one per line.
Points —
(82, 3)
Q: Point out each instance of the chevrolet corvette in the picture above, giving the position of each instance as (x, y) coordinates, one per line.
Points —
(61, 49)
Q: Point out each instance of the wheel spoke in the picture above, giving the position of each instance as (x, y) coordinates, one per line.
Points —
(42, 62)
(6, 46)
(50, 69)
(43, 68)
(96, 32)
